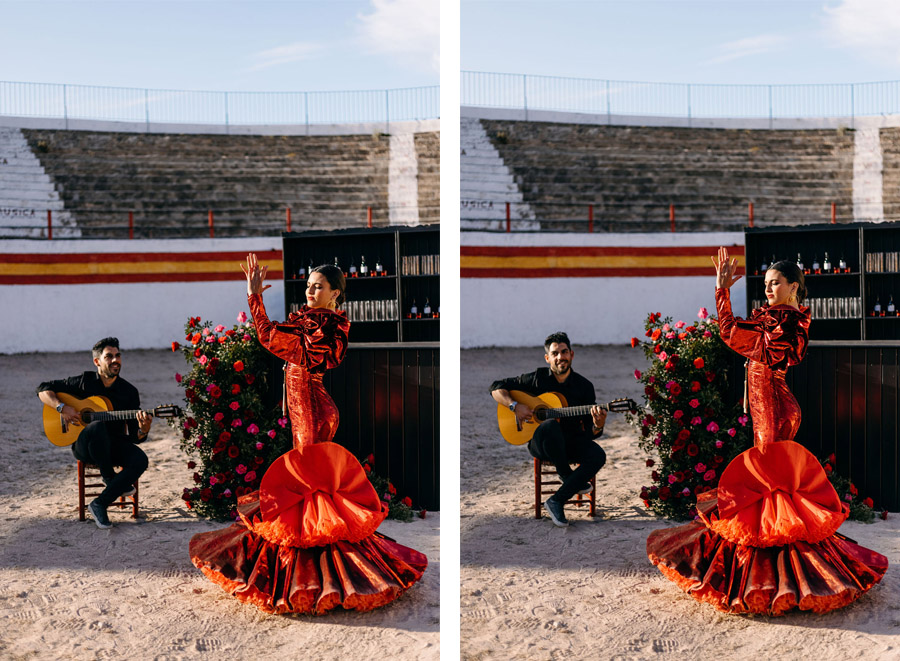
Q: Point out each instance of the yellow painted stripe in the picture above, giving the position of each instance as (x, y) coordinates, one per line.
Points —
(606, 261)
(118, 268)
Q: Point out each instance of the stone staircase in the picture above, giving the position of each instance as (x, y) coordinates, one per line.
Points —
(172, 181)
(27, 193)
(632, 174)
(486, 184)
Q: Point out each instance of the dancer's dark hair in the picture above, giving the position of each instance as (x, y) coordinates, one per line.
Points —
(335, 278)
(792, 274)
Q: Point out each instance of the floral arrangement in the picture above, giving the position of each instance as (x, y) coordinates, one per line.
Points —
(690, 428)
(229, 432)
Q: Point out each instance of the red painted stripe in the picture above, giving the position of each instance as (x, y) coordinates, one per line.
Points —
(642, 272)
(590, 251)
(99, 258)
(88, 279)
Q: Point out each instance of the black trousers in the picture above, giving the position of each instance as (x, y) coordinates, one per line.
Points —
(97, 446)
(550, 444)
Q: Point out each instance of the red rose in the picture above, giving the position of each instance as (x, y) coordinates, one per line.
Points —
(698, 363)
(196, 338)
(657, 348)
(682, 336)
(695, 386)
(868, 502)
(647, 333)
(235, 389)
(853, 489)
(690, 329)
(650, 463)
(884, 514)
(215, 392)
(367, 468)
(422, 514)
(239, 366)
(675, 389)
(197, 478)
(655, 335)
(249, 378)
(654, 476)
(407, 501)
(634, 342)
(693, 450)
(222, 339)
(664, 493)
(683, 435)
(229, 332)
(827, 469)
(250, 476)
(392, 489)
(225, 436)
(233, 452)
(175, 346)
(831, 459)
(708, 475)
(718, 459)
(198, 352)
(192, 465)
(206, 494)
(670, 365)
(370, 459)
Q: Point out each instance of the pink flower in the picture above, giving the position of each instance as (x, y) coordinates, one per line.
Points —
(218, 416)
(252, 428)
(177, 377)
(696, 420)
(203, 360)
(219, 328)
(713, 427)
(637, 375)
(719, 444)
(708, 475)
(241, 469)
(259, 445)
(694, 403)
(250, 476)
(670, 336)
(666, 327)
(662, 356)
(702, 313)
(198, 443)
(669, 385)
(206, 331)
(271, 433)
(234, 406)
(212, 480)
(700, 468)
(210, 339)
(848, 497)
(679, 324)
(282, 421)
(685, 492)
(677, 415)
(672, 479)
(652, 379)
(707, 334)
(236, 422)
(242, 317)
(743, 420)
(227, 493)
(246, 337)
(732, 432)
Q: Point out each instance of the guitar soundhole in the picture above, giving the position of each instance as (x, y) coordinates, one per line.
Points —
(86, 416)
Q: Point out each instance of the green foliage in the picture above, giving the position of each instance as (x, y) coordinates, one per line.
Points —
(229, 433)
(690, 429)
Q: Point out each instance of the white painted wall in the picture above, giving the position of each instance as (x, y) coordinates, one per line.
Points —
(142, 315)
(521, 312)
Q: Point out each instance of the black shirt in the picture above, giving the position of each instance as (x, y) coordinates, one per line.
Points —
(122, 395)
(576, 389)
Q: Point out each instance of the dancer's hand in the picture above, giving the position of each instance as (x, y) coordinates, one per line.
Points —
(725, 269)
(256, 275)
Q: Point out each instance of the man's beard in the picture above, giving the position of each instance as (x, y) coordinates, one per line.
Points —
(560, 370)
(108, 373)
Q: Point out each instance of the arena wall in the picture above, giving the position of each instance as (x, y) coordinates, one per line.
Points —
(65, 295)
(517, 288)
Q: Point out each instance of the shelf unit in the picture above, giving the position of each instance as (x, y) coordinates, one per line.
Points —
(380, 307)
(844, 302)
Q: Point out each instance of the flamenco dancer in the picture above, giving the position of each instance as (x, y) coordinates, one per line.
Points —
(766, 540)
(306, 542)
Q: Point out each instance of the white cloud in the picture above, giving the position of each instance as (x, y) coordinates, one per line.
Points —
(869, 27)
(284, 55)
(406, 29)
(733, 50)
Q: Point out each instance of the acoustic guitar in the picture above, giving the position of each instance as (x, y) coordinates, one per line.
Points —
(90, 410)
(547, 406)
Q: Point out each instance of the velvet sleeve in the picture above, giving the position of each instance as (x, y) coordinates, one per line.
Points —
(776, 337)
(312, 338)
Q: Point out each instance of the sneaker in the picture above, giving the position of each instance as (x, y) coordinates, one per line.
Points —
(130, 491)
(586, 489)
(99, 513)
(556, 512)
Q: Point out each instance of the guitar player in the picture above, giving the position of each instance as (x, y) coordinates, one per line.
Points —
(105, 444)
(565, 441)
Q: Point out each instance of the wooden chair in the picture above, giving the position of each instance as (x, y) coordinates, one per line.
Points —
(88, 472)
(545, 476)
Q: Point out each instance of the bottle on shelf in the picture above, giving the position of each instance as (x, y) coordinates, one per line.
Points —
(301, 273)
(437, 315)
(891, 310)
(338, 266)
(842, 266)
(413, 311)
(877, 309)
(353, 272)
(363, 268)
(816, 268)
(426, 311)
(826, 265)
(309, 267)
(764, 267)
(379, 269)
(800, 264)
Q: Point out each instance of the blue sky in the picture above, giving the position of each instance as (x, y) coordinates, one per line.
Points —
(686, 41)
(255, 45)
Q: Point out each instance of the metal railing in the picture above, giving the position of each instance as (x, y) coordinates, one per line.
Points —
(687, 100)
(146, 106)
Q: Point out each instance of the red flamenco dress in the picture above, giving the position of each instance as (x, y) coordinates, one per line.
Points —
(306, 542)
(766, 539)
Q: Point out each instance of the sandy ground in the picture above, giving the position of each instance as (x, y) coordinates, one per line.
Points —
(532, 591)
(70, 590)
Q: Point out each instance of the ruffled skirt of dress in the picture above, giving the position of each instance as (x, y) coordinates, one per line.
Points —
(306, 542)
(765, 541)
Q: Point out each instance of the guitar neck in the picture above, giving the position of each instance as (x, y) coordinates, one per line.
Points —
(105, 416)
(567, 412)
